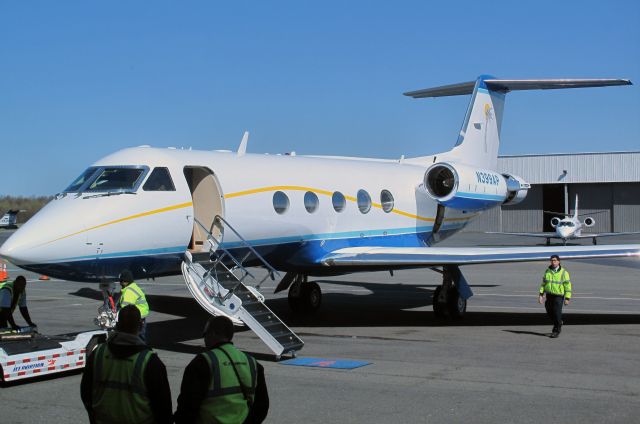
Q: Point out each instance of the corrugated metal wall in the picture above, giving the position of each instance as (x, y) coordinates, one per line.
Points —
(614, 207)
(595, 200)
(608, 185)
(580, 167)
(525, 216)
(626, 207)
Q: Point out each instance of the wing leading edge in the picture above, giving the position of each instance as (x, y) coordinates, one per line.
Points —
(432, 256)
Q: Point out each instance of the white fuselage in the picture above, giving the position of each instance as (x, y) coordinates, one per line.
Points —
(92, 236)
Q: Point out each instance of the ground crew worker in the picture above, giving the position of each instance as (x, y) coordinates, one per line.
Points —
(223, 384)
(124, 381)
(132, 294)
(556, 287)
(12, 294)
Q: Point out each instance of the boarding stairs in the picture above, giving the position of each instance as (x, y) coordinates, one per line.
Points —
(218, 281)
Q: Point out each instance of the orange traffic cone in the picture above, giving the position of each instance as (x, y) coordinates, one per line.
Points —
(3, 273)
(43, 278)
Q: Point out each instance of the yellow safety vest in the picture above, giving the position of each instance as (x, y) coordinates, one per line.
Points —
(556, 282)
(133, 295)
(9, 286)
(224, 402)
(119, 392)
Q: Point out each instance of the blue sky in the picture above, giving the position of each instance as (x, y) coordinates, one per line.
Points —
(79, 80)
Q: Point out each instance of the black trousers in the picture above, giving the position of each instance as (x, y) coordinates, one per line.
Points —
(553, 305)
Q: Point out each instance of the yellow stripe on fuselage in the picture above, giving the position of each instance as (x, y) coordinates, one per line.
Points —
(126, 218)
(330, 193)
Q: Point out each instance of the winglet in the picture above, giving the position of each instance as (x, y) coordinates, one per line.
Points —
(242, 149)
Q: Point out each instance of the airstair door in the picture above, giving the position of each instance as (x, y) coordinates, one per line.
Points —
(208, 202)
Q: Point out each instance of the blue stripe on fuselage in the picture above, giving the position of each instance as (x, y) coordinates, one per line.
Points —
(303, 255)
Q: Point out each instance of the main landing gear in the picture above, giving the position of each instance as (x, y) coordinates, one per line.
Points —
(450, 299)
(304, 296)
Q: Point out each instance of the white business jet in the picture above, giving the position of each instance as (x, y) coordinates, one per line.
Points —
(212, 214)
(568, 228)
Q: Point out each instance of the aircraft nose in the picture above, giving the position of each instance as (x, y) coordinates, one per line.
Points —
(16, 248)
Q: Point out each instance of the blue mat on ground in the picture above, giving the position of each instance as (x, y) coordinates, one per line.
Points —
(345, 364)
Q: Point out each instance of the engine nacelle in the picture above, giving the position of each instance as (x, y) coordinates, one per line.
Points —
(589, 222)
(555, 221)
(464, 187)
(517, 188)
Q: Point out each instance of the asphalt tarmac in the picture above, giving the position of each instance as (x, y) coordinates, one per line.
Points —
(496, 365)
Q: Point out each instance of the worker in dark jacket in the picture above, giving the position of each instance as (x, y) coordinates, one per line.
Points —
(12, 294)
(237, 393)
(124, 381)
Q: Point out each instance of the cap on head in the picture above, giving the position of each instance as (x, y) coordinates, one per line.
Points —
(126, 276)
(220, 327)
(555, 257)
(129, 320)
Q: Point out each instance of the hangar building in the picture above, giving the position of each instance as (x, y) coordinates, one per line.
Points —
(607, 185)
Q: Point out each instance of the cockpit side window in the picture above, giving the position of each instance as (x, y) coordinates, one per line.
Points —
(121, 178)
(159, 180)
(81, 180)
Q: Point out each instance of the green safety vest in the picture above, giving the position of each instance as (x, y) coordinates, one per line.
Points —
(556, 282)
(9, 286)
(133, 295)
(119, 392)
(224, 402)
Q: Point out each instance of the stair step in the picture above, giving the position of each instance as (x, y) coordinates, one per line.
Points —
(206, 278)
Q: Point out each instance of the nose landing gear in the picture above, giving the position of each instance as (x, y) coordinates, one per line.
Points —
(106, 318)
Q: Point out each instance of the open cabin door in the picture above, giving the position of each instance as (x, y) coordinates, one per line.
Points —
(208, 201)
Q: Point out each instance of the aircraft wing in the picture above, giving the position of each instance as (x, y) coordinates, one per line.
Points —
(545, 235)
(592, 235)
(378, 256)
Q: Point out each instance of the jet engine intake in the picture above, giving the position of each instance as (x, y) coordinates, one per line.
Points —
(589, 222)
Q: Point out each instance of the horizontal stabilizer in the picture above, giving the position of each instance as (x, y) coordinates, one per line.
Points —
(504, 86)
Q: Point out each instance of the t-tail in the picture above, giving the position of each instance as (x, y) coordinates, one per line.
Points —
(466, 177)
(479, 138)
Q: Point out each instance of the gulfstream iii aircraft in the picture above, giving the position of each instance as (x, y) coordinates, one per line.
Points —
(568, 228)
(212, 214)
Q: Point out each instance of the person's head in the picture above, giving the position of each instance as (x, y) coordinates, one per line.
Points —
(126, 278)
(555, 261)
(217, 330)
(19, 284)
(129, 320)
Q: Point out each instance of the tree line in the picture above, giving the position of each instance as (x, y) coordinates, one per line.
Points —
(30, 205)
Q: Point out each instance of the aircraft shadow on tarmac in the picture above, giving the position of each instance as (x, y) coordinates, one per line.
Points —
(388, 305)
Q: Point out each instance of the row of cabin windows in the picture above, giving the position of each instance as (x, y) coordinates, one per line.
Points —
(311, 201)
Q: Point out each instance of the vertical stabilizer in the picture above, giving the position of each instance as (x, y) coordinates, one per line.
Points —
(479, 138)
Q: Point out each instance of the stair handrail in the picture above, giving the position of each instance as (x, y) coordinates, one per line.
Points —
(272, 272)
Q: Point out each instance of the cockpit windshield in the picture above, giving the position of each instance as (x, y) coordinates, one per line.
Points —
(117, 178)
(566, 224)
(79, 182)
(108, 179)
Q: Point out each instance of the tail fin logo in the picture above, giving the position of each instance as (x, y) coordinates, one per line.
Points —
(488, 111)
